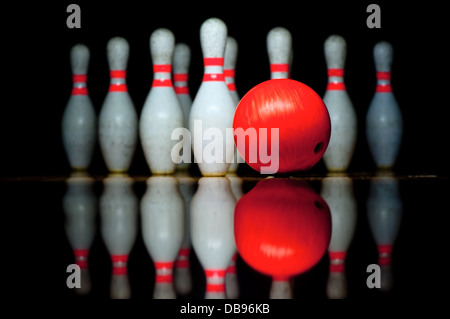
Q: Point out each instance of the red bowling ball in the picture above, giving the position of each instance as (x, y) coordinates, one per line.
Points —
(282, 227)
(300, 116)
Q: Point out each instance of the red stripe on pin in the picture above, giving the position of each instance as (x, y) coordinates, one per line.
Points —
(336, 72)
(181, 90)
(215, 272)
(384, 261)
(384, 75)
(80, 252)
(118, 74)
(231, 269)
(384, 249)
(213, 61)
(119, 258)
(180, 77)
(209, 77)
(337, 255)
(118, 87)
(162, 83)
(184, 252)
(383, 88)
(164, 278)
(182, 263)
(337, 267)
(336, 86)
(279, 67)
(229, 73)
(215, 287)
(79, 78)
(119, 270)
(166, 68)
(83, 264)
(163, 264)
(79, 91)
(231, 86)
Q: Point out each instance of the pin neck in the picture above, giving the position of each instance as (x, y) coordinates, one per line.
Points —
(81, 257)
(383, 82)
(279, 70)
(182, 260)
(164, 272)
(181, 83)
(162, 75)
(119, 263)
(79, 84)
(213, 70)
(229, 79)
(118, 81)
(336, 79)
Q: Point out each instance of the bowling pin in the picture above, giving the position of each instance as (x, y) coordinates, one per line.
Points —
(384, 123)
(182, 272)
(229, 67)
(162, 220)
(384, 210)
(181, 62)
(342, 143)
(119, 219)
(213, 108)
(281, 288)
(118, 118)
(337, 191)
(162, 112)
(80, 208)
(212, 231)
(279, 48)
(230, 57)
(79, 121)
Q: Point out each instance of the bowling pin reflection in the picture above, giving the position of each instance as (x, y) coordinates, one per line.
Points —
(212, 210)
(337, 191)
(119, 213)
(163, 220)
(282, 228)
(80, 207)
(182, 272)
(231, 278)
(384, 209)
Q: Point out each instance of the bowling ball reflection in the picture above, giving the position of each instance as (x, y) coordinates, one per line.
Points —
(282, 227)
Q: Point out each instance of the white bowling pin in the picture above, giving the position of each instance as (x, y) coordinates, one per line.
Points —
(182, 272)
(162, 112)
(281, 288)
(181, 62)
(212, 231)
(119, 222)
(279, 48)
(80, 208)
(79, 121)
(385, 209)
(229, 69)
(213, 108)
(162, 222)
(344, 129)
(384, 123)
(118, 118)
(337, 191)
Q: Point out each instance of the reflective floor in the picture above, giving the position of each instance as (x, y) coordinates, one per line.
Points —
(367, 235)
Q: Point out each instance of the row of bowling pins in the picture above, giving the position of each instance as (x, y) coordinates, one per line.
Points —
(168, 105)
(176, 216)
(213, 104)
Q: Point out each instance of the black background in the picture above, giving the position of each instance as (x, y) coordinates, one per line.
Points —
(39, 83)
(40, 80)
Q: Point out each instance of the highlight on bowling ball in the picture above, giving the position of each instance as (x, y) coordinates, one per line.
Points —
(282, 227)
(281, 126)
